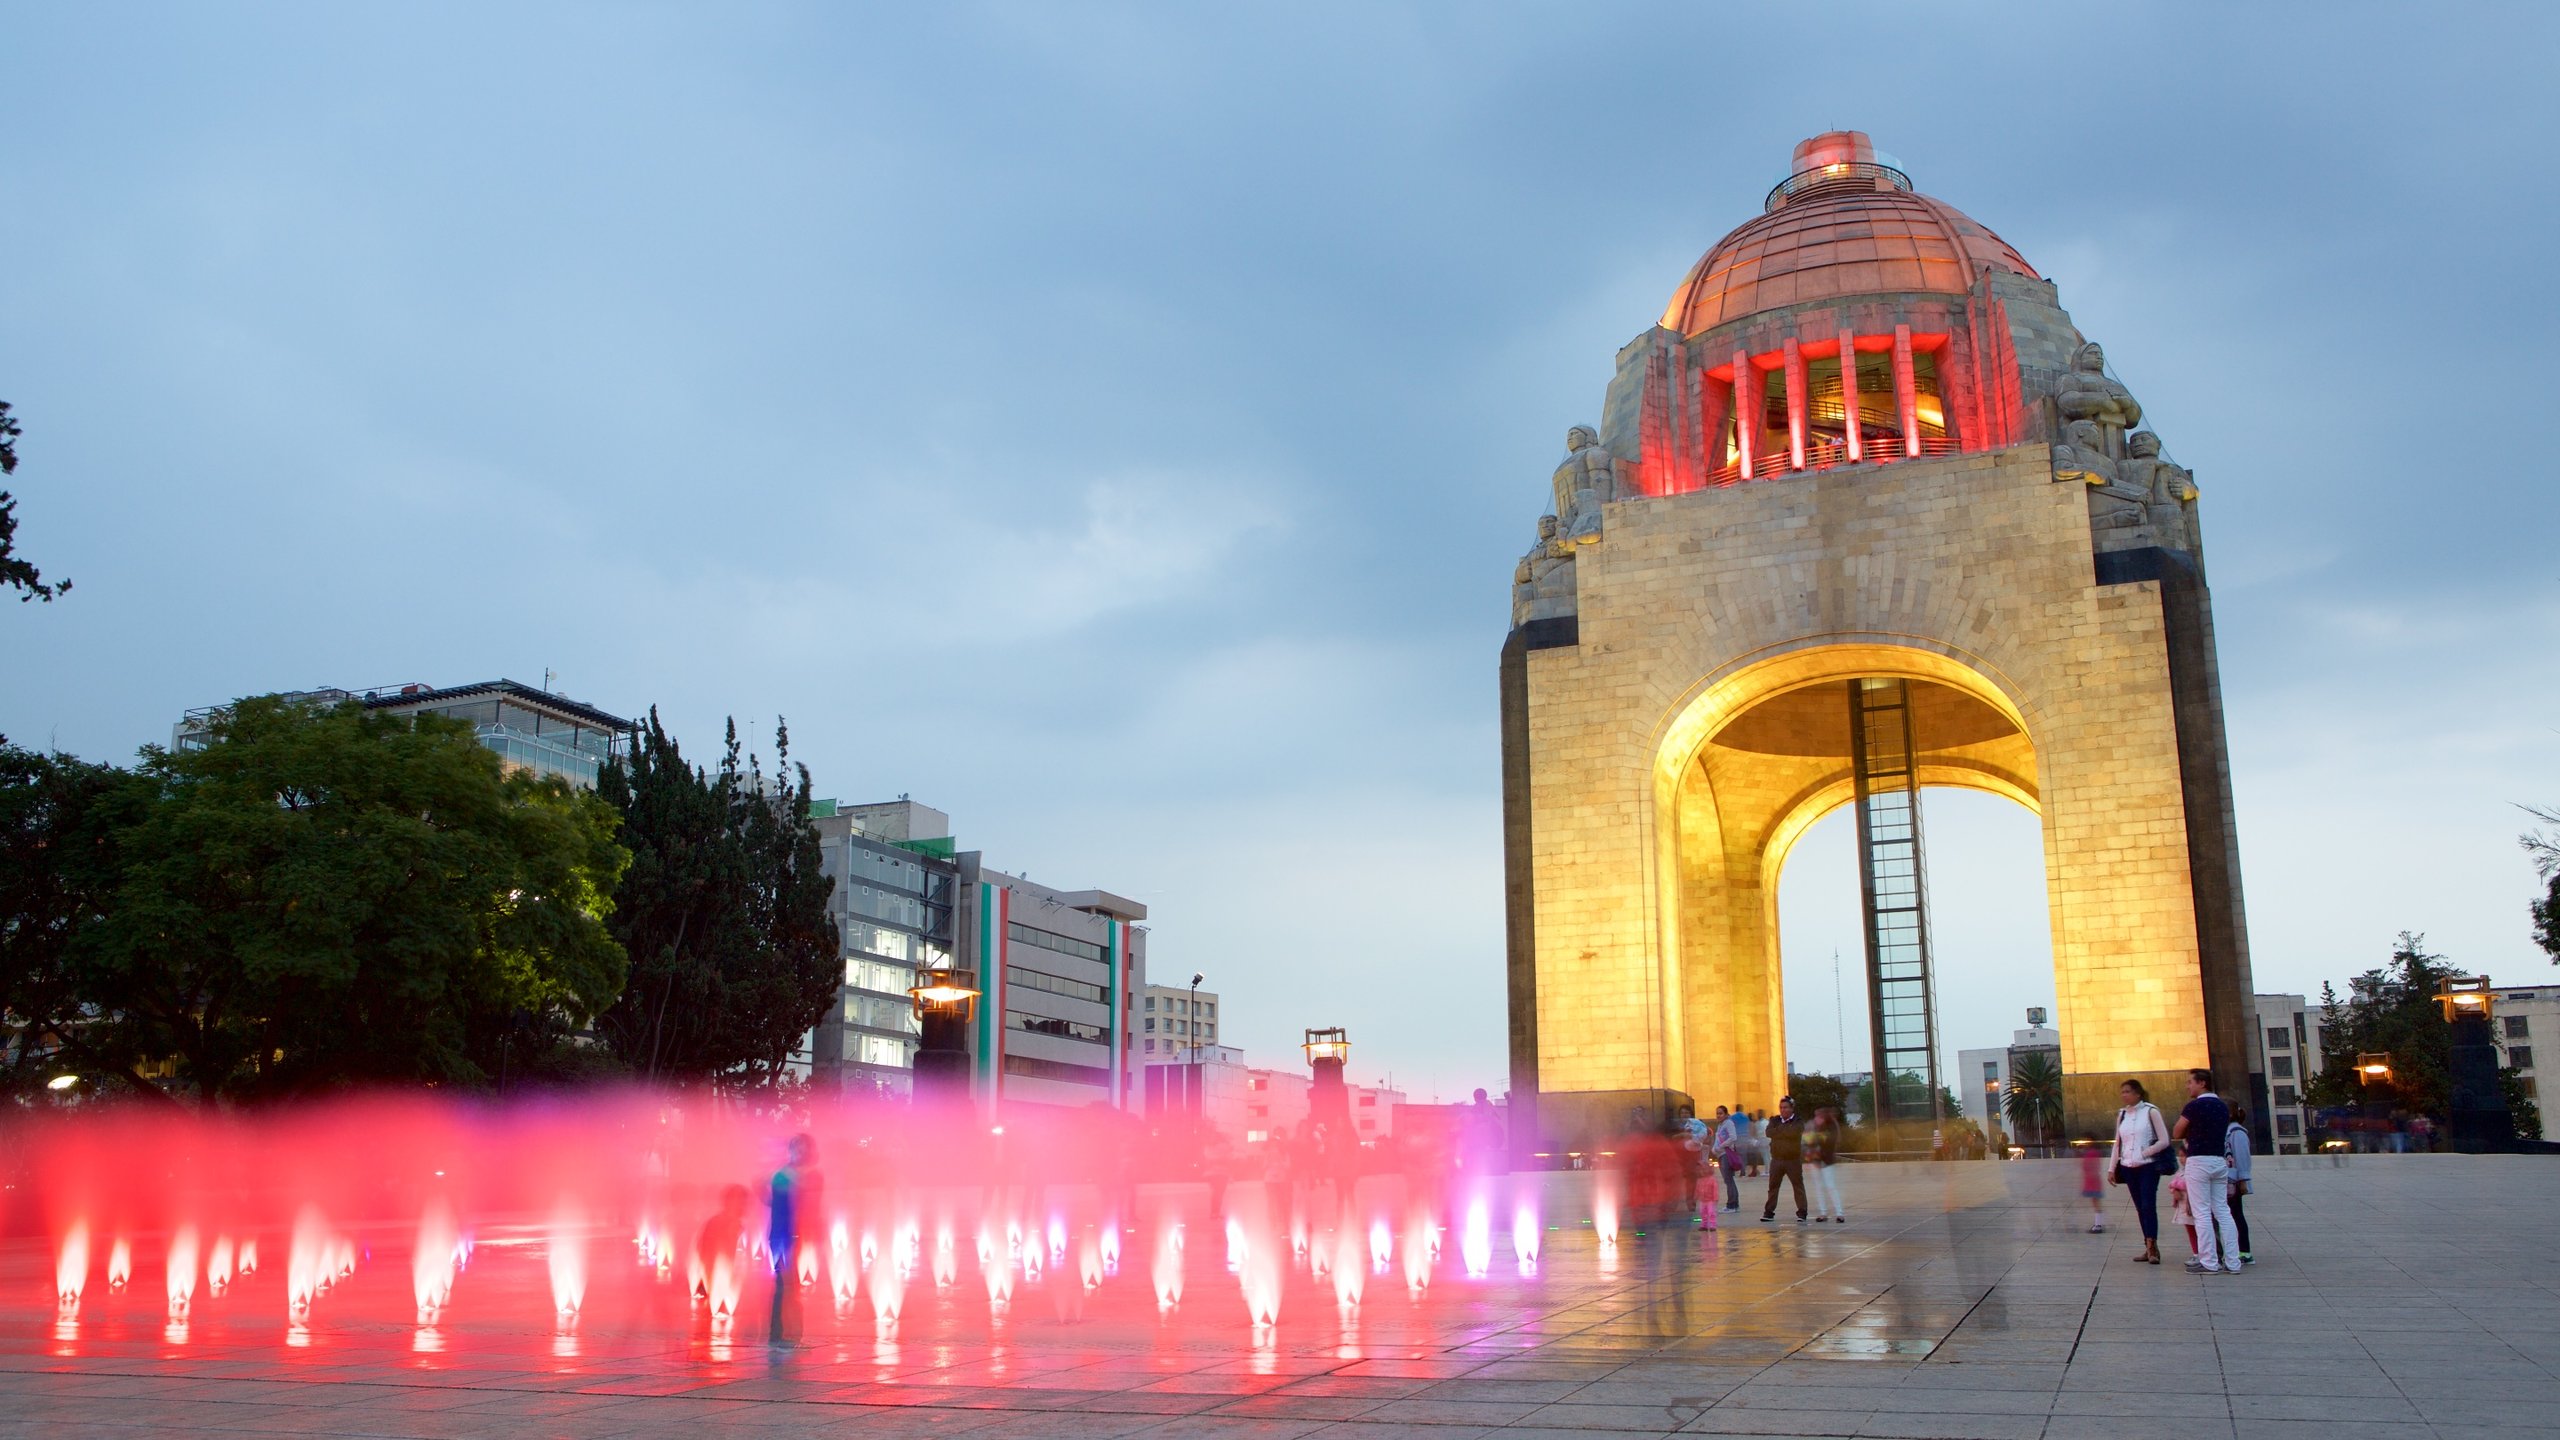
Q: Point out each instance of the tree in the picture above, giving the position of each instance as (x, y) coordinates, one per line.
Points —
(320, 898)
(2390, 1010)
(2544, 846)
(58, 870)
(733, 955)
(17, 573)
(1812, 1092)
(2032, 1097)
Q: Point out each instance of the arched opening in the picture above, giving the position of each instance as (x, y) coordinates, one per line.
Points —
(1754, 760)
(1992, 940)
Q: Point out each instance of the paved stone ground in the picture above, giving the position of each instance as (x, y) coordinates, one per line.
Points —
(2395, 1297)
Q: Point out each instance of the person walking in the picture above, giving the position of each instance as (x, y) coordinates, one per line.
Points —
(1822, 1162)
(790, 1195)
(2143, 1157)
(1786, 1158)
(2205, 1125)
(2235, 1148)
(1728, 1147)
(2092, 1188)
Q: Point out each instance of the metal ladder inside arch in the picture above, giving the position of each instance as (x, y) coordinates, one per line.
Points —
(1902, 1002)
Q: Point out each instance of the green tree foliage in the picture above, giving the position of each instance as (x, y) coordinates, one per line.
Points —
(58, 818)
(17, 573)
(2544, 846)
(1812, 1092)
(2032, 1097)
(2389, 1010)
(320, 898)
(724, 914)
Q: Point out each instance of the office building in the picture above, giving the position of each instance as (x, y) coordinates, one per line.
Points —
(530, 729)
(2284, 1058)
(896, 879)
(1982, 1076)
(1057, 971)
(1172, 1020)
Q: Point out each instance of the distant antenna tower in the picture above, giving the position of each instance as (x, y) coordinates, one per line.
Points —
(1839, 1016)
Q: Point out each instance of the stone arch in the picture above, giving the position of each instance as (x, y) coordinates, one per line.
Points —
(1726, 814)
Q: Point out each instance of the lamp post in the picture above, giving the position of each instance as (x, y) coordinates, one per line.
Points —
(1328, 1098)
(2480, 1120)
(2373, 1067)
(944, 997)
(1191, 1032)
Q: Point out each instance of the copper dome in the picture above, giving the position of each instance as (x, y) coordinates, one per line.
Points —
(1844, 222)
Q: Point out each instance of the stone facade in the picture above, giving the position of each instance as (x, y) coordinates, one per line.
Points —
(1677, 669)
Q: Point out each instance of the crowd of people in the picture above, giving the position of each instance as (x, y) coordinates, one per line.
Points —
(1698, 1168)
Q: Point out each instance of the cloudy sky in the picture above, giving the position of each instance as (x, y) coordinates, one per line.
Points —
(1116, 426)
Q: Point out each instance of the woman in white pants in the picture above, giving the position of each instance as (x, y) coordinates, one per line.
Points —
(1821, 1160)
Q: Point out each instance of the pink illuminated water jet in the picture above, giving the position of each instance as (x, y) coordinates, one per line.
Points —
(373, 1208)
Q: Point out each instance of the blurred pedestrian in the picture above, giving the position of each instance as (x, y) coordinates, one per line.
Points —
(2235, 1149)
(2204, 1125)
(1786, 1158)
(2144, 1156)
(1822, 1164)
(792, 1192)
(2092, 1185)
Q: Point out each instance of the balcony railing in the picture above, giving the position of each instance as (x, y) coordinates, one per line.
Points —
(1830, 455)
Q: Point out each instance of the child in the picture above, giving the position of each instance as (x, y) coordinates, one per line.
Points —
(2179, 1210)
(2093, 1182)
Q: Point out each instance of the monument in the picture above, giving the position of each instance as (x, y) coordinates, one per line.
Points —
(1865, 513)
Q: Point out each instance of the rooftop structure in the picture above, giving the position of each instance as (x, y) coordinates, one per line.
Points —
(530, 729)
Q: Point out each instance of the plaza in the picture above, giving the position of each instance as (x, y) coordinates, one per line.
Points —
(2393, 1297)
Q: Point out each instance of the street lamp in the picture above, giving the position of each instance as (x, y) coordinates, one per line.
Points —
(1191, 1032)
(1328, 1098)
(62, 1082)
(2373, 1065)
(2481, 1120)
(944, 997)
(2465, 997)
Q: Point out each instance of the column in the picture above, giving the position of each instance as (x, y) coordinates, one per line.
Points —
(1795, 404)
(1849, 393)
(1749, 412)
(1906, 398)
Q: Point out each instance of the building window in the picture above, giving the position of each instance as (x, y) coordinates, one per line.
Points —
(1261, 1112)
(1053, 941)
(2288, 1124)
(1258, 1083)
(2516, 1029)
(1256, 1137)
(2527, 1085)
(1368, 1100)
(2280, 1066)
(2520, 1056)
(2285, 1096)
(1151, 1045)
(2279, 1038)
(1033, 1067)
(1151, 1005)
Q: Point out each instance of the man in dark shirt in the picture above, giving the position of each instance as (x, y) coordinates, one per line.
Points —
(1786, 1158)
(2202, 1125)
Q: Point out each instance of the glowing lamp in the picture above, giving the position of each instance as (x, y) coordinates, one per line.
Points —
(62, 1082)
(2464, 996)
(1332, 1044)
(2374, 1065)
(944, 988)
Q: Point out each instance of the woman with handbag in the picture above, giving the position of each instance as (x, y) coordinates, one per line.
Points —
(2143, 1156)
